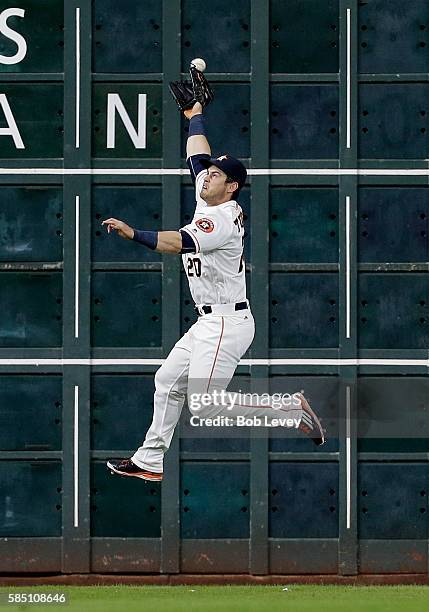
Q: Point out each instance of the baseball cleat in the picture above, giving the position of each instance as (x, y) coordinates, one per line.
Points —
(125, 467)
(310, 424)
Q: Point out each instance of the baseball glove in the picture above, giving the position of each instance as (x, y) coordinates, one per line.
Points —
(186, 93)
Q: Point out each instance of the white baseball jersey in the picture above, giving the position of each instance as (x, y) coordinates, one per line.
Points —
(216, 271)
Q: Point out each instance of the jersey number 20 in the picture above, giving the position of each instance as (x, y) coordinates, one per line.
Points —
(194, 266)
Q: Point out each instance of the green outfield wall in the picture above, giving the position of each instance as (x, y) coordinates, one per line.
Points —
(327, 104)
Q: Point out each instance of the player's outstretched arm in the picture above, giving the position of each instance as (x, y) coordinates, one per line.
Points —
(123, 230)
(192, 238)
(169, 242)
(163, 242)
(197, 143)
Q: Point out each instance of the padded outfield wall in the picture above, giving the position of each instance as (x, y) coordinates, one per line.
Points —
(327, 104)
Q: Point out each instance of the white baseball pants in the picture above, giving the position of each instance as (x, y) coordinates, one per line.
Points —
(204, 359)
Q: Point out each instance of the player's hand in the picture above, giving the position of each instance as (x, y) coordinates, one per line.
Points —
(197, 109)
(124, 230)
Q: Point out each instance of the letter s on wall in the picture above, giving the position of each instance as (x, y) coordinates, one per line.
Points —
(9, 33)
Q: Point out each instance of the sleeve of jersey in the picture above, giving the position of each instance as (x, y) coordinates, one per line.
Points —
(195, 166)
(198, 173)
(208, 232)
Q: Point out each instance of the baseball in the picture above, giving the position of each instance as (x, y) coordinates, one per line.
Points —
(199, 64)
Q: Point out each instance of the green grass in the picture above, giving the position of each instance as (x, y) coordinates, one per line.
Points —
(298, 598)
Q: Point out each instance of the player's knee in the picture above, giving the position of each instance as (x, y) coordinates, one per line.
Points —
(159, 381)
(163, 379)
(166, 383)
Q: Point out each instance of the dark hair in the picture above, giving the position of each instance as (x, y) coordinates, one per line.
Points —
(237, 191)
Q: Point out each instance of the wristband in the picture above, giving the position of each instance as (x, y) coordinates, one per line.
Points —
(149, 239)
(197, 126)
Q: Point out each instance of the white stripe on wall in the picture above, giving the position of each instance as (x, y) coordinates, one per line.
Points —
(76, 457)
(348, 119)
(184, 172)
(347, 266)
(77, 125)
(244, 362)
(77, 254)
(348, 459)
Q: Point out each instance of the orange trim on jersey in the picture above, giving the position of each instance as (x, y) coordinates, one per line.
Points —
(217, 352)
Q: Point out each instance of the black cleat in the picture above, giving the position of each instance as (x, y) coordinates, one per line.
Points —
(310, 424)
(125, 467)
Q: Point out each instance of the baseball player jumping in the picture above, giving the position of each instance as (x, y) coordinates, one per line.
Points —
(205, 358)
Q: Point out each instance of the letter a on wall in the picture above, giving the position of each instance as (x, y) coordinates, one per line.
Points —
(12, 129)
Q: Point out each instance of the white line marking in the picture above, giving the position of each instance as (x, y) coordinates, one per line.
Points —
(77, 143)
(76, 282)
(347, 266)
(338, 171)
(348, 145)
(338, 362)
(348, 457)
(244, 362)
(184, 172)
(76, 456)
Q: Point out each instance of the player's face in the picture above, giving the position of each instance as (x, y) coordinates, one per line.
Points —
(215, 189)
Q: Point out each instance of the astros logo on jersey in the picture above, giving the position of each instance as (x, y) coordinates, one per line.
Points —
(205, 225)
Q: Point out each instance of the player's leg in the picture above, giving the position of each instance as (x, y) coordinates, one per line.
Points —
(219, 343)
(170, 393)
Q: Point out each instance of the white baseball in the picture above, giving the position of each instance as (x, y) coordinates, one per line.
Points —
(199, 64)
